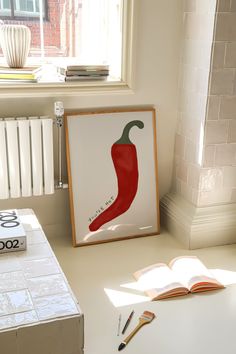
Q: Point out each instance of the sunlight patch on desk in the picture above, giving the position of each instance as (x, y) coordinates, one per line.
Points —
(121, 298)
(136, 285)
(225, 277)
(154, 276)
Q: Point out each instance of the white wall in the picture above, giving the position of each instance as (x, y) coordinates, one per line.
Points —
(157, 52)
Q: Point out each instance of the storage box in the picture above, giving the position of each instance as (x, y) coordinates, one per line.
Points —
(38, 310)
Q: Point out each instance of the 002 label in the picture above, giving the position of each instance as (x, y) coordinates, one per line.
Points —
(9, 244)
(8, 219)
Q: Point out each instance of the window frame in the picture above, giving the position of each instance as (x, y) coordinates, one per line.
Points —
(89, 88)
(26, 15)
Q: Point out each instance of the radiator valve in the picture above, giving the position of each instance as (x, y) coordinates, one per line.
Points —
(59, 112)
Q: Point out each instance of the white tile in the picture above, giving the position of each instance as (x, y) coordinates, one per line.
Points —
(40, 267)
(225, 26)
(222, 82)
(179, 145)
(55, 306)
(29, 221)
(229, 180)
(190, 5)
(207, 25)
(192, 25)
(12, 281)
(193, 176)
(19, 301)
(49, 285)
(18, 319)
(182, 171)
(216, 196)
(9, 263)
(234, 91)
(233, 6)
(228, 107)
(233, 196)
(41, 250)
(199, 54)
(213, 108)
(209, 156)
(25, 212)
(189, 126)
(187, 58)
(218, 55)
(195, 197)
(7, 321)
(24, 318)
(189, 77)
(204, 6)
(216, 132)
(202, 81)
(186, 191)
(178, 185)
(225, 155)
(211, 179)
(230, 57)
(5, 308)
(191, 153)
(223, 5)
(232, 131)
(34, 237)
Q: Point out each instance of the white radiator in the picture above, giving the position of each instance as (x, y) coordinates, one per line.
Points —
(26, 157)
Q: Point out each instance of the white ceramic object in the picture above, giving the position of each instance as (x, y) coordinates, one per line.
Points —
(15, 42)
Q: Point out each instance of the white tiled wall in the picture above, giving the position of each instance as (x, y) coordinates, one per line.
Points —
(205, 149)
(195, 67)
(220, 132)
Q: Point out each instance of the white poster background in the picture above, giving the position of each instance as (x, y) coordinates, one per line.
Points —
(94, 180)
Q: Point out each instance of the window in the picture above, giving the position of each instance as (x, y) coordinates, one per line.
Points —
(85, 31)
(20, 8)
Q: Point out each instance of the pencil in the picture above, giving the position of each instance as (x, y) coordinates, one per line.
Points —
(119, 321)
(127, 322)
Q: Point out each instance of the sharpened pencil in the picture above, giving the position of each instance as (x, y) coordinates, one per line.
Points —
(119, 322)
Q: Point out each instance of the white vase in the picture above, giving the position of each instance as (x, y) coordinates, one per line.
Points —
(15, 42)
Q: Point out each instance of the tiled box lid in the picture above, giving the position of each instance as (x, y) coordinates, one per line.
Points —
(33, 288)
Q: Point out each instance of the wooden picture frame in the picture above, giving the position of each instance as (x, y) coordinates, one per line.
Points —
(112, 172)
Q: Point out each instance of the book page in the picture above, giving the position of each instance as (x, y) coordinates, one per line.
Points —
(158, 279)
(191, 271)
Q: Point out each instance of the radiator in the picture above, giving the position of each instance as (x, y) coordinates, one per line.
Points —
(26, 157)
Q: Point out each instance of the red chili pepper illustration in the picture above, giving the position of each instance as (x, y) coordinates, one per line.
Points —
(124, 156)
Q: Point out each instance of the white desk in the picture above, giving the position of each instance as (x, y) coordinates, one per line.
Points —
(195, 324)
(38, 311)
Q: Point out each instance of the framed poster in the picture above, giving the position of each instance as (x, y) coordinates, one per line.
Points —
(112, 169)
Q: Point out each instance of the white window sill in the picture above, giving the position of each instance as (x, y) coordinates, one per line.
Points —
(52, 85)
(63, 88)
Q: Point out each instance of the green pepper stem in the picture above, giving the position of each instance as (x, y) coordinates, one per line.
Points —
(124, 139)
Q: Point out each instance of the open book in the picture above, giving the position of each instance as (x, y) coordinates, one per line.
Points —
(183, 275)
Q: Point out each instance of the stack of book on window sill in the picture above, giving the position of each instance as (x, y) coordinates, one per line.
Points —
(27, 74)
(84, 72)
